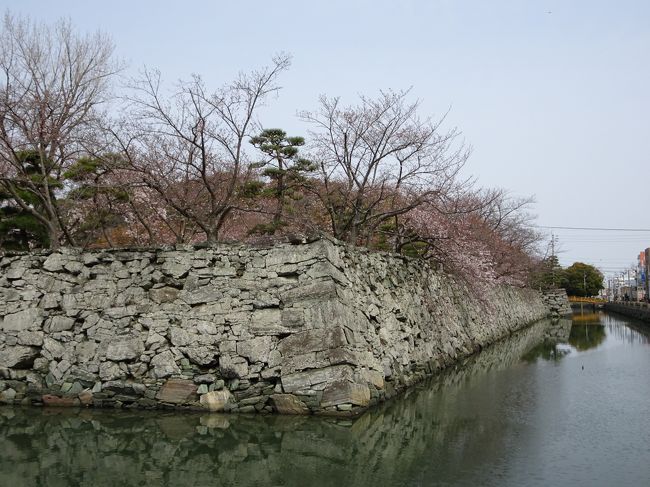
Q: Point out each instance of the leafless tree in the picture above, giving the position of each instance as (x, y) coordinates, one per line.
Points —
(511, 218)
(378, 160)
(189, 146)
(52, 84)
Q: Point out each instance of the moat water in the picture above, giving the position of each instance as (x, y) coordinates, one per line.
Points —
(564, 403)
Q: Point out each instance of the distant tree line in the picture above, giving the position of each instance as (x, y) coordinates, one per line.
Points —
(83, 166)
(579, 279)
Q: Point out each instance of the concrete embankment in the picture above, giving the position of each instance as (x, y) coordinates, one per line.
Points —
(315, 328)
(640, 311)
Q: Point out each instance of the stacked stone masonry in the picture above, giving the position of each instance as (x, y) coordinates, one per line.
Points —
(636, 310)
(314, 328)
(557, 302)
(197, 449)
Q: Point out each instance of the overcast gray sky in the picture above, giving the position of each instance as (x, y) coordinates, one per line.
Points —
(553, 95)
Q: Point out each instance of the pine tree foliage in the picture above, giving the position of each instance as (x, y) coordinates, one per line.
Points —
(285, 168)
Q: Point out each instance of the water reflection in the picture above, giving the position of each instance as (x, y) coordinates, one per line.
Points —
(552, 347)
(551, 352)
(586, 318)
(584, 337)
(587, 331)
(634, 333)
(590, 330)
(466, 427)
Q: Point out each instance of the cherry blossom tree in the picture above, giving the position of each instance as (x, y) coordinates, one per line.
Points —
(378, 160)
(52, 85)
(190, 146)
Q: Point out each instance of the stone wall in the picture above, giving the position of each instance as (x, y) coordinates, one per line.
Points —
(319, 328)
(40, 446)
(637, 310)
(558, 302)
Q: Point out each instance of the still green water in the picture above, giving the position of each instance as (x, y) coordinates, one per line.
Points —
(557, 404)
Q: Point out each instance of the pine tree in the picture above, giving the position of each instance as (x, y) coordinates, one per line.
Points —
(285, 168)
(549, 274)
(20, 229)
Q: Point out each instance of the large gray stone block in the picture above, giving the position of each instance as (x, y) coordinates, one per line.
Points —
(306, 292)
(18, 356)
(59, 323)
(164, 365)
(303, 381)
(33, 338)
(54, 262)
(288, 404)
(53, 348)
(31, 318)
(164, 294)
(255, 349)
(15, 272)
(312, 341)
(124, 349)
(268, 322)
(202, 356)
(110, 371)
(345, 392)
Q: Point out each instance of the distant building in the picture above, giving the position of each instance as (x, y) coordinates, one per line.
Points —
(633, 282)
(640, 278)
(646, 272)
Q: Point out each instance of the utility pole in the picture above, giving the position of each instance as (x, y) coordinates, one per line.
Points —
(553, 259)
(609, 289)
(629, 285)
(552, 244)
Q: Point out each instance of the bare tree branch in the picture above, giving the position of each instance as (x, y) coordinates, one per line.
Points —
(53, 83)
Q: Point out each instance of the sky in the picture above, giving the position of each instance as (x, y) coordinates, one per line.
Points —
(552, 95)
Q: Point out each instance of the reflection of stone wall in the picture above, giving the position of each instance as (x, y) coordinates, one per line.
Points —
(558, 330)
(319, 327)
(434, 426)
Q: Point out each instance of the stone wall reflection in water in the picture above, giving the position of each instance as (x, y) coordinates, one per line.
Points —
(403, 442)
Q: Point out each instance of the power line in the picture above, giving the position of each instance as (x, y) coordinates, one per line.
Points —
(599, 229)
